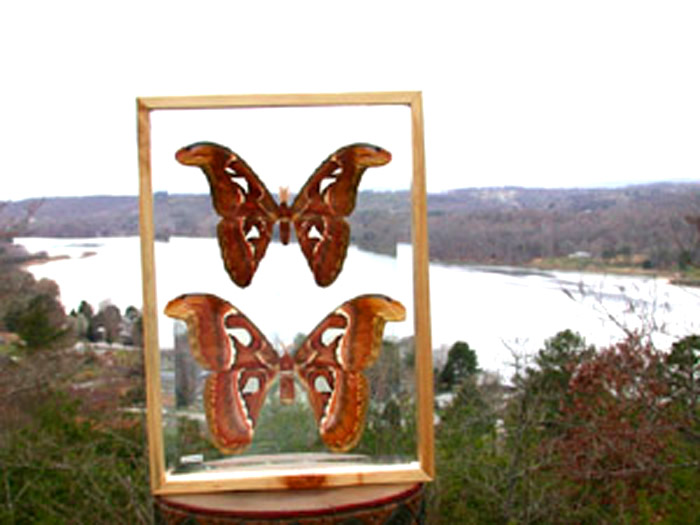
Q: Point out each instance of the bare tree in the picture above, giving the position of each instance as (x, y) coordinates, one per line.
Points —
(11, 225)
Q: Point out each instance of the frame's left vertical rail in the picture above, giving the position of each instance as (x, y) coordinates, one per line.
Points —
(150, 314)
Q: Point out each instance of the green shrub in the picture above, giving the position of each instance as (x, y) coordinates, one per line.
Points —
(68, 467)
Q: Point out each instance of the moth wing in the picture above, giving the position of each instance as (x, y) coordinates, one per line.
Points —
(331, 369)
(247, 210)
(324, 241)
(319, 210)
(241, 371)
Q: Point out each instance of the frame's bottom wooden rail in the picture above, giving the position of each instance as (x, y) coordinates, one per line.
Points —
(370, 504)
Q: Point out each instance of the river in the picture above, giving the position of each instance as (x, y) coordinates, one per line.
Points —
(499, 311)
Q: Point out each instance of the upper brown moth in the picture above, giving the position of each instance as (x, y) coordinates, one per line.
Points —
(249, 212)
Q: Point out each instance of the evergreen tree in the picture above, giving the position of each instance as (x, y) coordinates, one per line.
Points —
(39, 322)
(461, 363)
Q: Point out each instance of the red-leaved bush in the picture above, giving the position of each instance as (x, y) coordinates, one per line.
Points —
(615, 424)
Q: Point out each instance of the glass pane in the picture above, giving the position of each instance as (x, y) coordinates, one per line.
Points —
(284, 146)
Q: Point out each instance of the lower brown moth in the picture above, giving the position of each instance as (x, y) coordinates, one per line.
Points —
(329, 368)
(249, 212)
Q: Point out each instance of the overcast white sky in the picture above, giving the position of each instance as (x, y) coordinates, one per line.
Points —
(529, 93)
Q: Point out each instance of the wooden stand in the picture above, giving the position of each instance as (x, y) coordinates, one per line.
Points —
(368, 504)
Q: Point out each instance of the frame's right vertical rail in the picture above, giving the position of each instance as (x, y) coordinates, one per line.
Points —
(421, 261)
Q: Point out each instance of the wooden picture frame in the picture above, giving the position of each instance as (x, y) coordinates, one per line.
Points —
(164, 481)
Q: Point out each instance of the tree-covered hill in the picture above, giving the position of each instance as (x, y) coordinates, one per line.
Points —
(638, 224)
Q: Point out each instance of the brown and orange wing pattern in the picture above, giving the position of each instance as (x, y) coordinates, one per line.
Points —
(241, 371)
(319, 210)
(332, 370)
(247, 210)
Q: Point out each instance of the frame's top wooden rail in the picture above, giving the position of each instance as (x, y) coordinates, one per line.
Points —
(273, 100)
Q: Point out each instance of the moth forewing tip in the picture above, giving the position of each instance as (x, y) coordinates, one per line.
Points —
(381, 306)
(394, 311)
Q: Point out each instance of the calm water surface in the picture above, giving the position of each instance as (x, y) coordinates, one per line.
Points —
(495, 310)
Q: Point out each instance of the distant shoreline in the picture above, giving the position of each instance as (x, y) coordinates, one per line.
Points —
(636, 226)
(612, 186)
(532, 268)
(35, 261)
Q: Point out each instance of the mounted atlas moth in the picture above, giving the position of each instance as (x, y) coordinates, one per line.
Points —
(242, 372)
(249, 212)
